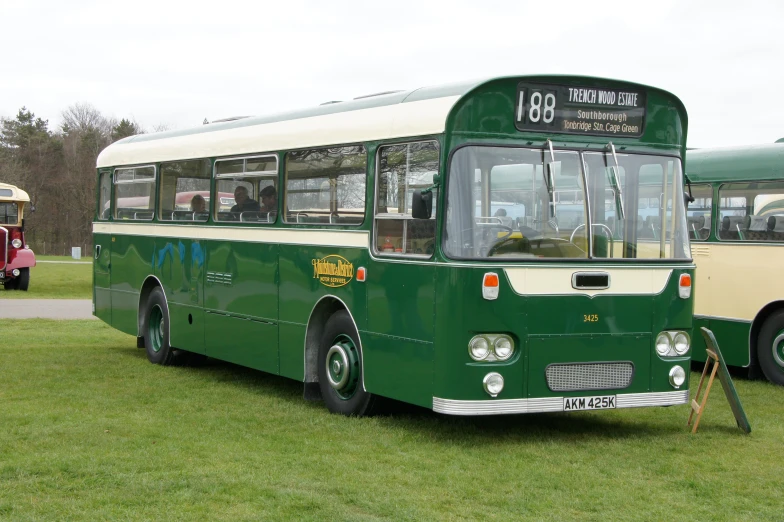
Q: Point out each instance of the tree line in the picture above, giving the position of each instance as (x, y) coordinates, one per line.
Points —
(56, 167)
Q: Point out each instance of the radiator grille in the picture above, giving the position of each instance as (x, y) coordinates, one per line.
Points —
(597, 376)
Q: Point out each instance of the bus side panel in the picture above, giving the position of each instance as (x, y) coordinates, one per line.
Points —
(301, 288)
(398, 344)
(733, 339)
(179, 265)
(132, 259)
(243, 341)
(292, 343)
(697, 342)
(102, 297)
(187, 325)
(241, 301)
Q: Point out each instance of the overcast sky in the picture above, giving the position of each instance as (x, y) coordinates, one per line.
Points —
(175, 63)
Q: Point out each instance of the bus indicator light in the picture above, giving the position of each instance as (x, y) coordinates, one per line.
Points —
(490, 286)
(361, 274)
(684, 286)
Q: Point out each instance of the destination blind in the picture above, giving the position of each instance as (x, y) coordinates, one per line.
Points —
(575, 109)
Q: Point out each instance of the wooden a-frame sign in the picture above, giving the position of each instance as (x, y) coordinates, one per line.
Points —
(716, 360)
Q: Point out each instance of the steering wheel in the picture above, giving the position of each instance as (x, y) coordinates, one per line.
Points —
(509, 230)
(605, 230)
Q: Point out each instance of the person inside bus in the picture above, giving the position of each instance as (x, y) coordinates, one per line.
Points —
(269, 199)
(243, 202)
(198, 203)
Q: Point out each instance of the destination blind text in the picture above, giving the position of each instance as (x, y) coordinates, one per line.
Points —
(602, 97)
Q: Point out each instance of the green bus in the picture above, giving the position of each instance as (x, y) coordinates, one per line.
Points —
(736, 224)
(475, 248)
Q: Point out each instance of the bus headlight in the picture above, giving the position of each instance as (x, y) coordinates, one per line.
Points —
(493, 383)
(16, 243)
(681, 343)
(503, 348)
(479, 348)
(677, 376)
(663, 345)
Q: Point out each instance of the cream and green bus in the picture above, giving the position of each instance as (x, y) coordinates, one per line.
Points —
(475, 249)
(736, 225)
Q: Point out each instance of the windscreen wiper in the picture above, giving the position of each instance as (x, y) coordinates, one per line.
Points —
(617, 183)
(549, 177)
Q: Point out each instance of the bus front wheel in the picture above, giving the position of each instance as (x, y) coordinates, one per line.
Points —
(23, 281)
(155, 328)
(340, 368)
(770, 348)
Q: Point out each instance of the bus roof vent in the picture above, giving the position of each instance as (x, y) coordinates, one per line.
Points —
(331, 102)
(377, 94)
(230, 118)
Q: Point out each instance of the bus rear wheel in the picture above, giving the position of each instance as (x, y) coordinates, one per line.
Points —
(770, 348)
(340, 368)
(155, 328)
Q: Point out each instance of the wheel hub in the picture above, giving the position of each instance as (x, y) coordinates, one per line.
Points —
(778, 349)
(342, 367)
(156, 328)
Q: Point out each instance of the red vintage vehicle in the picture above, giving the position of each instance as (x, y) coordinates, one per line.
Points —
(16, 258)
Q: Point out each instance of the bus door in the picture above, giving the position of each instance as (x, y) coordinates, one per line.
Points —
(3, 247)
(102, 249)
(398, 347)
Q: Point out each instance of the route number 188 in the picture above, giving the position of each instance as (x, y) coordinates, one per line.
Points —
(539, 107)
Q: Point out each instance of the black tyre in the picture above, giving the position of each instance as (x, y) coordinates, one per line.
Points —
(23, 281)
(155, 328)
(11, 284)
(340, 368)
(770, 348)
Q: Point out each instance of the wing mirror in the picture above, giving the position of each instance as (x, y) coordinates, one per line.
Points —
(422, 204)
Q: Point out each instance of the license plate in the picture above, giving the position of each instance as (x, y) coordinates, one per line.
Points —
(600, 402)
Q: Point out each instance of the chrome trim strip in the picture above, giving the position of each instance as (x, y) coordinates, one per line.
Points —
(552, 404)
(731, 319)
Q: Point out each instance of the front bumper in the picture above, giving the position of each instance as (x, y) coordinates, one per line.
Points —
(552, 404)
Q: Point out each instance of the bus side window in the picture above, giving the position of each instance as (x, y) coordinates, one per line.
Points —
(241, 183)
(402, 169)
(134, 193)
(185, 190)
(326, 186)
(104, 195)
(698, 212)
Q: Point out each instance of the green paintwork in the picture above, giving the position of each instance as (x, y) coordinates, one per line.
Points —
(736, 164)
(252, 303)
(102, 295)
(734, 337)
(546, 330)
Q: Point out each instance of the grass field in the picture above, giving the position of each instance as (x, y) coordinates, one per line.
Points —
(56, 281)
(91, 430)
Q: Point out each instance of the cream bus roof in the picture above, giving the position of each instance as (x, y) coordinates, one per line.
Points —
(413, 113)
(12, 193)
